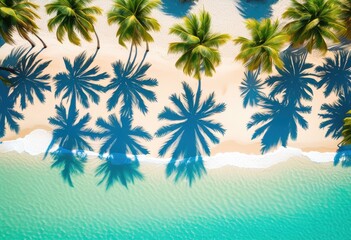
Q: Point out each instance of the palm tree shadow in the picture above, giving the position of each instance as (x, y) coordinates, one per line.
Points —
(80, 82)
(29, 81)
(257, 9)
(8, 115)
(335, 74)
(294, 82)
(177, 8)
(251, 89)
(70, 135)
(190, 132)
(189, 169)
(119, 150)
(131, 86)
(277, 122)
(343, 156)
(119, 168)
(334, 115)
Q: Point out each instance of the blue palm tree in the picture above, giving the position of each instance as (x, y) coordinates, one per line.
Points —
(250, 89)
(256, 9)
(8, 115)
(278, 123)
(2, 42)
(191, 168)
(80, 82)
(334, 116)
(294, 80)
(191, 129)
(131, 87)
(71, 135)
(30, 80)
(335, 74)
(120, 140)
(177, 8)
(9, 63)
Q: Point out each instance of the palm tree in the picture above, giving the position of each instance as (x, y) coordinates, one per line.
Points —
(313, 22)
(19, 16)
(120, 139)
(130, 85)
(346, 131)
(344, 152)
(134, 20)
(335, 74)
(8, 114)
(345, 16)
(80, 82)
(294, 80)
(190, 129)
(262, 50)
(70, 134)
(277, 123)
(30, 79)
(334, 115)
(72, 17)
(250, 89)
(198, 45)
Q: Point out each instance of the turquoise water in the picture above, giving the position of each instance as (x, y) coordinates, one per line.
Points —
(295, 199)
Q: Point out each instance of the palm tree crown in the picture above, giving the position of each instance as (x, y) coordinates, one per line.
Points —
(134, 20)
(73, 16)
(18, 15)
(312, 22)
(262, 50)
(346, 17)
(198, 45)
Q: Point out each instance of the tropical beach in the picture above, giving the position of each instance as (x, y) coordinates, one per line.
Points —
(97, 139)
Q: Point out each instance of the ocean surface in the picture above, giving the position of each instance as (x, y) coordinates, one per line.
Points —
(294, 199)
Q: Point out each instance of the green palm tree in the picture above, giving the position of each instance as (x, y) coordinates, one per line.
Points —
(18, 15)
(313, 22)
(345, 6)
(198, 45)
(72, 17)
(346, 132)
(134, 20)
(262, 50)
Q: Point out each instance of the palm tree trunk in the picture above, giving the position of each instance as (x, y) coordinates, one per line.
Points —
(129, 56)
(142, 61)
(30, 41)
(198, 94)
(41, 40)
(8, 70)
(97, 39)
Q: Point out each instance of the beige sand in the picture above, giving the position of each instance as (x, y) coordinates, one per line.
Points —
(225, 83)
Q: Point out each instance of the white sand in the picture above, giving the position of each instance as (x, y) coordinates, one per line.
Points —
(225, 83)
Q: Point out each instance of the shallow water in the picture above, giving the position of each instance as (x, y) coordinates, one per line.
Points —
(295, 199)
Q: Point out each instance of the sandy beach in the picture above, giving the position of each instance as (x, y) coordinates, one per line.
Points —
(225, 83)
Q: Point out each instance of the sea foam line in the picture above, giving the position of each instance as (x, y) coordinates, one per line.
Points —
(37, 141)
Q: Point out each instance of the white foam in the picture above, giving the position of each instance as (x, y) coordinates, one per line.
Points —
(37, 141)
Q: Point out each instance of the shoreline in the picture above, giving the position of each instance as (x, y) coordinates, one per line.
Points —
(36, 142)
